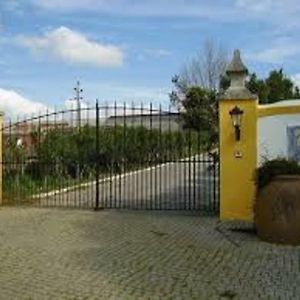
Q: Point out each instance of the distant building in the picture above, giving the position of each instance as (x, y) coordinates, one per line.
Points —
(164, 121)
(26, 134)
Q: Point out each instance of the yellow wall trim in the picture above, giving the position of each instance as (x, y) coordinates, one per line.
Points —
(266, 110)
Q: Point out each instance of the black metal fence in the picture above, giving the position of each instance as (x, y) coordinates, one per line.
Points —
(115, 156)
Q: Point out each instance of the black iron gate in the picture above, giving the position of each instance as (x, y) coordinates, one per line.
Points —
(108, 157)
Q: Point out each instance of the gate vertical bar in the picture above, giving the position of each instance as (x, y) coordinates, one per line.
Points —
(97, 156)
(161, 160)
(214, 184)
(189, 168)
(151, 158)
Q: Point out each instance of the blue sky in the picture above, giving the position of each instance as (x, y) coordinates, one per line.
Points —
(128, 50)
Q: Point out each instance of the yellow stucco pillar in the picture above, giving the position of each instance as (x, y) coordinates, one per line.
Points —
(238, 157)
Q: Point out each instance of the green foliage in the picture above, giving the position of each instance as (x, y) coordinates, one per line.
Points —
(276, 87)
(280, 86)
(195, 91)
(275, 167)
(201, 114)
(65, 156)
(224, 83)
(200, 107)
(258, 87)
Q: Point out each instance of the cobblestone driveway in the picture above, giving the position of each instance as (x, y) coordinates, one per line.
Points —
(71, 254)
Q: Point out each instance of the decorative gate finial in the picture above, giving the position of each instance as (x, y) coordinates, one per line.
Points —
(237, 73)
(236, 64)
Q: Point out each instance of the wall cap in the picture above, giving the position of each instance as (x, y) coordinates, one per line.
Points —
(238, 94)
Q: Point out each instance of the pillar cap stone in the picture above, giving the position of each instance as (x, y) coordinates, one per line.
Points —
(237, 73)
(236, 65)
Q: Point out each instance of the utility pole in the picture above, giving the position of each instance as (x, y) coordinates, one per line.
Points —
(78, 98)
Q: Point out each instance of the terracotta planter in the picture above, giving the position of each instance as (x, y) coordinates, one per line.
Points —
(277, 211)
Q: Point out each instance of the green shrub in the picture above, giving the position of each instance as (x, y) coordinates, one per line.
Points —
(62, 156)
(272, 168)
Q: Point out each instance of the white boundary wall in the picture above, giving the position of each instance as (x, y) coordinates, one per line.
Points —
(272, 132)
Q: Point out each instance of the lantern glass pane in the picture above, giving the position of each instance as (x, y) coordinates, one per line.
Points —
(236, 119)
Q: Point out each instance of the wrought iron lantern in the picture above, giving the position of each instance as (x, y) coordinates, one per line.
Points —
(236, 117)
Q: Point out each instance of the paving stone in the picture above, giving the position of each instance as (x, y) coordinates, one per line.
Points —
(79, 254)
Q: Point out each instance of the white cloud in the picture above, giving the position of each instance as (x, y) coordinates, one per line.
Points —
(70, 4)
(263, 8)
(254, 5)
(11, 4)
(138, 8)
(281, 50)
(74, 48)
(231, 10)
(116, 91)
(275, 55)
(152, 53)
(158, 52)
(13, 104)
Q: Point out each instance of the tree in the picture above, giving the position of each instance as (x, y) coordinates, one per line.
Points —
(205, 70)
(280, 86)
(297, 92)
(199, 82)
(201, 114)
(258, 87)
(196, 88)
(276, 87)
